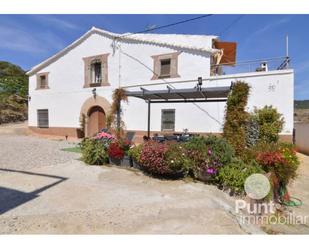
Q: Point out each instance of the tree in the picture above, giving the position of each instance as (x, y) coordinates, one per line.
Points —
(13, 93)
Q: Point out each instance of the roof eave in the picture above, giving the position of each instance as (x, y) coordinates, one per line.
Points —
(93, 30)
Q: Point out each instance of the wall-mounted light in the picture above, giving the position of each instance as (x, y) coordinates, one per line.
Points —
(94, 92)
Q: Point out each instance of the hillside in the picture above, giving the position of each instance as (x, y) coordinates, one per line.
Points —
(301, 111)
(13, 93)
(301, 104)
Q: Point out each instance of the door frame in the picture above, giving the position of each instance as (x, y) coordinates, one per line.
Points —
(90, 102)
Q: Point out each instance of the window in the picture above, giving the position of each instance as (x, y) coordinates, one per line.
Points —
(165, 66)
(42, 81)
(96, 71)
(165, 69)
(43, 121)
(168, 119)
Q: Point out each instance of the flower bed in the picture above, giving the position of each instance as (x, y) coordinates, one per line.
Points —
(210, 159)
(249, 145)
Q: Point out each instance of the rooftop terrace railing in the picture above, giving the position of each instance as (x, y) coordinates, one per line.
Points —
(262, 65)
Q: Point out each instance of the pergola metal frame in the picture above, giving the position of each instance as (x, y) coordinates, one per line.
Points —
(197, 94)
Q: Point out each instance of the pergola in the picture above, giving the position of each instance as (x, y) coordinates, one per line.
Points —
(186, 95)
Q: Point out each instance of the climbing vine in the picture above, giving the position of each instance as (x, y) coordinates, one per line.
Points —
(236, 117)
(114, 121)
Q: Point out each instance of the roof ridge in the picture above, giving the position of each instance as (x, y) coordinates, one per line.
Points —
(113, 35)
(140, 33)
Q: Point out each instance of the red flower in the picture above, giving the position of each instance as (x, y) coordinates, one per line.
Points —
(270, 158)
(115, 151)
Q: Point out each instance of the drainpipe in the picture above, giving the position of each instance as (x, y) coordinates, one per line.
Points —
(118, 118)
(148, 125)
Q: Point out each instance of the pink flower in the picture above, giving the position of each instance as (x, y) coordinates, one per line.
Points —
(104, 134)
(209, 152)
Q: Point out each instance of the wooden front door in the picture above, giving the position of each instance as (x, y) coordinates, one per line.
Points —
(96, 120)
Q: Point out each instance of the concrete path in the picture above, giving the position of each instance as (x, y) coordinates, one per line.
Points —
(75, 198)
(70, 197)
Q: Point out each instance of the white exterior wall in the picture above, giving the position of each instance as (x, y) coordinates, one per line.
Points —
(66, 95)
(267, 88)
(66, 77)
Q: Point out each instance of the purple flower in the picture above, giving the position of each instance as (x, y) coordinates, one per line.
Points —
(211, 171)
(209, 152)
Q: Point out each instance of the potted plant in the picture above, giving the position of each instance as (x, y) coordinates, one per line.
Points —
(115, 153)
(135, 154)
(118, 152)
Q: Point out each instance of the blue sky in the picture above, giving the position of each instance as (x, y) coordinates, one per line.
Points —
(26, 40)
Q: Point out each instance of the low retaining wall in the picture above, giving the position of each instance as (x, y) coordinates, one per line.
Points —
(63, 132)
(302, 137)
(135, 135)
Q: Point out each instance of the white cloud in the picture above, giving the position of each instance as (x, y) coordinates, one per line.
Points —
(18, 40)
(56, 22)
(268, 27)
(271, 26)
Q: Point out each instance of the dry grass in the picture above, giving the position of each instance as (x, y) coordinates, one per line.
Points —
(301, 115)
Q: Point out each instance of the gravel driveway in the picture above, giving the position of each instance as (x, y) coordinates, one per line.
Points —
(47, 191)
(26, 152)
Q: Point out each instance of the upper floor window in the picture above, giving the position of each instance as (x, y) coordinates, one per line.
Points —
(42, 81)
(165, 66)
(96, 71)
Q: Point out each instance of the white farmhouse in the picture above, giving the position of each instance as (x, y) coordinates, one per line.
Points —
(77, 84)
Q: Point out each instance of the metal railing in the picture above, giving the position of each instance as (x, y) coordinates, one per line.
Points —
(262, 65)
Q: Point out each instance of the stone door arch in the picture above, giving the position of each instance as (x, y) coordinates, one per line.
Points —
(96, 120)
(93, 113)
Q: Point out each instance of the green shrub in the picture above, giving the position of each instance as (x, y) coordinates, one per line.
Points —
(135, 152)
(233, 175)
(177, 160)
(270, 124)
(207, 155)
(93, 152)
(236, 117)
(220, 148)
(252, 131)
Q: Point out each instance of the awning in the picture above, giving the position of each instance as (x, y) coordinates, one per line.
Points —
(170, 95)
(229, 52)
